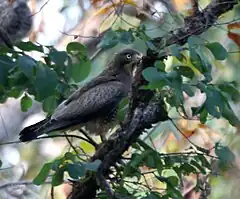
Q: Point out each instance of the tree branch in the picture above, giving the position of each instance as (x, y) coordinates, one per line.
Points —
(142, 114)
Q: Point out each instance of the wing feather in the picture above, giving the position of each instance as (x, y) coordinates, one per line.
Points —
(91, 103)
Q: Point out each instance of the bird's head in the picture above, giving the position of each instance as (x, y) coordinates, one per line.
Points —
(127, 59)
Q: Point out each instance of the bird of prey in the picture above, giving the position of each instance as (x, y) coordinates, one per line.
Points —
(94, 105)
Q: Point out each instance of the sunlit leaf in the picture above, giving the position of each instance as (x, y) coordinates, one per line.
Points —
(77, 49)
(43, 174)
(125, 22)
(26, 103)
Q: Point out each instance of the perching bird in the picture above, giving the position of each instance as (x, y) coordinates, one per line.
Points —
(94, 105)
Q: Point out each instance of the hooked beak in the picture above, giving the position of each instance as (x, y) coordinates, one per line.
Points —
(139, 57)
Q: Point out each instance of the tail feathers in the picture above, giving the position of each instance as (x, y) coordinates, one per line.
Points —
(43, 127)
(32, 132)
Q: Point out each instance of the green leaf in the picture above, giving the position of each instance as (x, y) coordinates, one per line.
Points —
(175, 51)
(151, 74)
(195, 59)
(69, 156)
(205, 64)
(188, 89)
(217, 50)
(6, 64)
(110, 39)
(45, 82)
(187, 168)
(194, 41)
(173, 180)
(77, 49)
(57, 163)
(92, 166)
(176, 83)
(58, 57)
(228, 113)
(150, 161)
(43, 174)
(80, 71)
(160, 66)
(139, 158)
(75, 170)
(224, 153)
(27, 65)
(26, 103)
(49, 104)
(29, 46)
(57, 178)
(185, 71)
(198, 166)
(204, 161)
(125, 37)
(203, 115)
(214, 102)
(231, 90)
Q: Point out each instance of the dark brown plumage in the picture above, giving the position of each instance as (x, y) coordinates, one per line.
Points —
(94, 105)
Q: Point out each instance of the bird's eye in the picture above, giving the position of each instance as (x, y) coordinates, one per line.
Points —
(129, 56)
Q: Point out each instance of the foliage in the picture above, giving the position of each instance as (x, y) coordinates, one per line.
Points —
(58, 73)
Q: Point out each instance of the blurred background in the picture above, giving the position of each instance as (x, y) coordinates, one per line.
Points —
(58, 22)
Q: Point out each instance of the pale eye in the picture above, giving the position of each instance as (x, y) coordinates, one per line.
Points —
(129, 56)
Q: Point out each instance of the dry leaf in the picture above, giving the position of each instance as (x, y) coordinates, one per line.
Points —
(233, 25)
(125, 22)
(113, 6)
(235, 37)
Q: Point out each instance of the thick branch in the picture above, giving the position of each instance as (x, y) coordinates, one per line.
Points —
(141, 114)
(199, 22)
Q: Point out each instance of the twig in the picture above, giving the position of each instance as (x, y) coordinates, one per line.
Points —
(141, 114)
(90, 140)
(75, 150)
(55, 136)
(27, 182)
(52, 192)
(41, 8)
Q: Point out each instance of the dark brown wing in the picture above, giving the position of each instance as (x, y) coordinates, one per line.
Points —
(95, 102)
